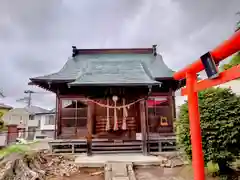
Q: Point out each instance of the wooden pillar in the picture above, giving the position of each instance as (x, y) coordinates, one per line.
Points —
(174, 105)
(89, 127)
(56, 119)
(195, 129)
(143, 127)
(147, 126)
(59, 113)
(171, 100)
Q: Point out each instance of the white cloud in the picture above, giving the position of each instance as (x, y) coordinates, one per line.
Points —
(36, 36)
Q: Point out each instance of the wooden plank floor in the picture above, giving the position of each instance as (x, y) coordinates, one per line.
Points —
(101, 146)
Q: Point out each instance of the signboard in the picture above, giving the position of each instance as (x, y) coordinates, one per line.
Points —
(209, 65)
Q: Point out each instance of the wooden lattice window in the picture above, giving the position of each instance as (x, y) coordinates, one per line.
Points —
(74, 113)
(159, 113)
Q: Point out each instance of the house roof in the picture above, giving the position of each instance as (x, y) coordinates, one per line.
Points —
(36, 110)
(4, 106)
(120, 67)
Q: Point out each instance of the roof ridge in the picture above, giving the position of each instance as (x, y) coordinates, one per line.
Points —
(83, 71)
(76, 51)
(146, 70)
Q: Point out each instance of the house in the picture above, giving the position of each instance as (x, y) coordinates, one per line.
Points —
(233, 85)
(3, 109)
(47, 124)
(123, 95)
(27, 119)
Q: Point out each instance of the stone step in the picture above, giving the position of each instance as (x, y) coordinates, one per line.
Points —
(119, 171)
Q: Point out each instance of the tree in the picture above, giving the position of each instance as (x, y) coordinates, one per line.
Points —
(233, 62)
(1, 121)
(236, 58)
(220, 124)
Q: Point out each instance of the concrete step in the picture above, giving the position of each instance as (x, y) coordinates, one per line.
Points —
(119, 171)
(117, 152)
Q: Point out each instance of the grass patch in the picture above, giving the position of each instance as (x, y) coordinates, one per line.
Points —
(16, 148)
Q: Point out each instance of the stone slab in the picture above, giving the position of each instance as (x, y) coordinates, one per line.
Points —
(120, 178)
(119, 170)
(101, 160)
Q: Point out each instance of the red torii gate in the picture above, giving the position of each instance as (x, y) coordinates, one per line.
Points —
(227, 48)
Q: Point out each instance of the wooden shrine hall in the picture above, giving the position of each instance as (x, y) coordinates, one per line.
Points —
(116, 100)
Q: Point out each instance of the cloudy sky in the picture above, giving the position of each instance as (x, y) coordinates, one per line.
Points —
(36, 35)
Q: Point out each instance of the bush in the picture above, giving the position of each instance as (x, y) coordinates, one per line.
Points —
(220, 124)
(233, 62)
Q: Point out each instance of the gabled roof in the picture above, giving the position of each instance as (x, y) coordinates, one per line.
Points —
(36, 110)
(114, 72)
(4, 106)
(105, 67)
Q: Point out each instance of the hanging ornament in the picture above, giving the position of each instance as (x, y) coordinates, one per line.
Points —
(108, 120)
(163, 121)
(125, 114)
(115, 98)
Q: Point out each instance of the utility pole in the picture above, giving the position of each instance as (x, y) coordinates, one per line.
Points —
(28, 98)
(29, 92)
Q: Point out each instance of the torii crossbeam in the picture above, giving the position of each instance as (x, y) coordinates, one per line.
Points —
(227, 48)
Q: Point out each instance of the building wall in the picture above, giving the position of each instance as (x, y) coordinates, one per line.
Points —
(3, 139)
(34, 121)
(49, 133)
(47, 127)
(234, 85)
(44, 125)
(15, 116)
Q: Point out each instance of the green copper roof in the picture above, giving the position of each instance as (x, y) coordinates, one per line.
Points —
(114, 72)
(111, 69)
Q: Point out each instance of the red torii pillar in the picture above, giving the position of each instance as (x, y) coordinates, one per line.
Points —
(227, 48)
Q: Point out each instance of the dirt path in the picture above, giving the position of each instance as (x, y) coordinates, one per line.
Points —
(79, 177)
(156, 173)
(84, 174)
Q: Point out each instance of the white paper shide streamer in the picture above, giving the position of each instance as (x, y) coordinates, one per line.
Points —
(108, 119)
(125, 115)
(115, 128)
(124, 106)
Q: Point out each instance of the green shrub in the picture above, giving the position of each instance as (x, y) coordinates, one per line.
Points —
(15, 148)
(220, 124)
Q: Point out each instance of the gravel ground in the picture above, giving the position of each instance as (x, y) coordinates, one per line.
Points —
(157, 173)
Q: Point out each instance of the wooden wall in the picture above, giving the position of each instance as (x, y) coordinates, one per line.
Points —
(99, 116)
(133, 121)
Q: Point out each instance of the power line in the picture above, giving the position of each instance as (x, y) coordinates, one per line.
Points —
(27, 99)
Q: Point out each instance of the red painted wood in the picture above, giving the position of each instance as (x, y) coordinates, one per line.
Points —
(12, 133)
(56, 119)
(195, 129)
(224, 77)
(72, 97)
